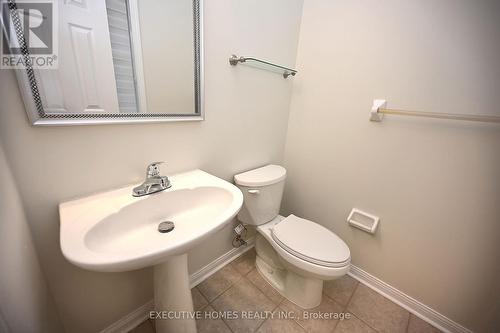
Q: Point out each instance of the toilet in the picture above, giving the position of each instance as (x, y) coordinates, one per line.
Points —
(294, 255)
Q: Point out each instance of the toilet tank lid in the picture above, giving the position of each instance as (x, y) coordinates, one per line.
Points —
(266, 175)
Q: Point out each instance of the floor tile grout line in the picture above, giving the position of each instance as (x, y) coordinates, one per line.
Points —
(256, 287)
(364, 322)
(257, 328)
(349, 302)
(408, 323)
(295, 319)
(232, 263)
(222, 293)
(337, 322)
(262, 291)
(229, 327)
(352, 295)
(199, 291)
(344, 307)
(243, 276)
(323, 295)
(229, 287)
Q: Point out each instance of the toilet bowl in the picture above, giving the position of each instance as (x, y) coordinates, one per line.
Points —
(294, 255)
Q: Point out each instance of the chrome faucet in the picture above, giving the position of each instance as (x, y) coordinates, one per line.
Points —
(154, 181)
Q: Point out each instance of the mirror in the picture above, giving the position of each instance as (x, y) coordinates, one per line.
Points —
(116, 61)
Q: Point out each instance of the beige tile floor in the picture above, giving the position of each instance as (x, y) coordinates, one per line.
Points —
(239, 287)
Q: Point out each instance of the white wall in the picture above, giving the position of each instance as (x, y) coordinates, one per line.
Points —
(245, 127)
(25, 301)
(434, 183)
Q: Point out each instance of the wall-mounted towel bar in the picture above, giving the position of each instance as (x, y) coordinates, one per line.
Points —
(234, 60)
(379, 109)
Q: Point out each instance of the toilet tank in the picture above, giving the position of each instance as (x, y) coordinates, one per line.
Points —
(262, 192)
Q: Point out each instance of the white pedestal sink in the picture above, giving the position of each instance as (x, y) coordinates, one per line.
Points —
(116, 232)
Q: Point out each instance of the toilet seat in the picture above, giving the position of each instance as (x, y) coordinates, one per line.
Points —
(294, 263)
(310, 242)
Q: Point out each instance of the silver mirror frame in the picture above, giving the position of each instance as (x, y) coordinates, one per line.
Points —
(33, 103)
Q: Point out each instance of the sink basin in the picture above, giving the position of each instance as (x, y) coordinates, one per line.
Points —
(114, 231)
(129, 238)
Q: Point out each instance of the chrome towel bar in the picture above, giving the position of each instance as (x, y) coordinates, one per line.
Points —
(234, 60)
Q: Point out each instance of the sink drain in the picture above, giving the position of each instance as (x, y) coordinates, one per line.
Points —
(166, 226)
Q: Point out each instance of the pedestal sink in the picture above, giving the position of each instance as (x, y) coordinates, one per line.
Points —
(115, 232)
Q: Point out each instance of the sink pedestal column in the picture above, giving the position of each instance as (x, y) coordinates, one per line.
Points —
(173, 295)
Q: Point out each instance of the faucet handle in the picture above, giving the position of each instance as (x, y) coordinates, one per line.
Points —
(153, 169)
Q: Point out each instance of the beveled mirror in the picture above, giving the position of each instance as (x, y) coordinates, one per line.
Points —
(113, 61)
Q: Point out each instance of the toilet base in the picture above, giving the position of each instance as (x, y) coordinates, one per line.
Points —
(299, 281)
(302, 291)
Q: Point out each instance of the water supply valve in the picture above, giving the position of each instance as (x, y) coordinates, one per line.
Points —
(240, 230)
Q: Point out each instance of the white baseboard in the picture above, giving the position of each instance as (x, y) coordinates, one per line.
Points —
(415, 307)
(130, 321)
(205, 272)
(136, 317)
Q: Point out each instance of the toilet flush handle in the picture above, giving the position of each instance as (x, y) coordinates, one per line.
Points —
(253, 191)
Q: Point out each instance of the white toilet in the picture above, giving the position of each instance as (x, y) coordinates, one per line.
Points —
(293, 254)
